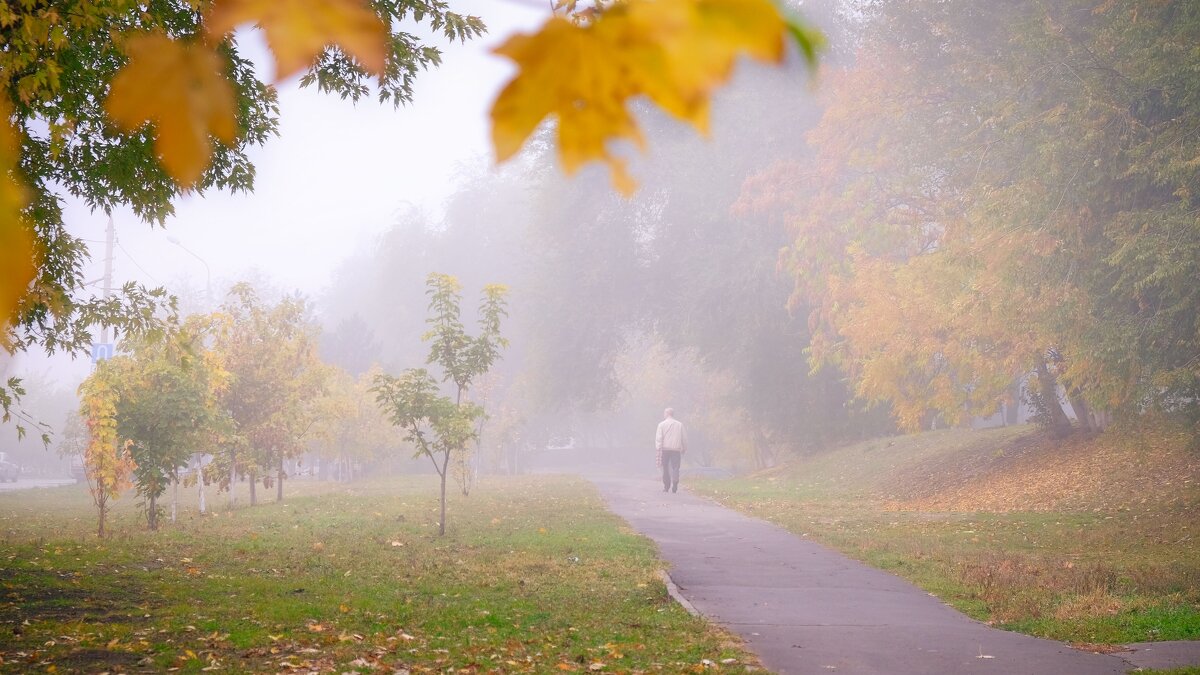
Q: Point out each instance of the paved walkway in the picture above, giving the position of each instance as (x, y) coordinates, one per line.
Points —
(806, 609)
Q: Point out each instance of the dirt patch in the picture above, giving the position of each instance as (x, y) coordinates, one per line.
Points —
(100, 660)
(39, 595)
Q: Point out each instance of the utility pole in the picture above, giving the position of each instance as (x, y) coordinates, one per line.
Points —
(110, 240)
(103, 349)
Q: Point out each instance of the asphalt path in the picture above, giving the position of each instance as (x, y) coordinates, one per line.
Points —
(804, 608)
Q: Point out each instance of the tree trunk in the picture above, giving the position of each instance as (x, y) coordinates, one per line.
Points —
(102, 504)
(232, 475)
(174, 494)
(279, 486)
(253, 488)
(442, 519)
(763, 457)
(200, 480)
(1060, 425)
(1012, 407)
(152, 516)
(1083, 413)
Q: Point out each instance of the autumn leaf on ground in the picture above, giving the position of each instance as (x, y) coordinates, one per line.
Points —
(180, 88)
(16, 242)
(675, 52)
(299, 30)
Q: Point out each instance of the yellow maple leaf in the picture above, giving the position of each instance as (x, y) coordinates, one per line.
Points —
(675, 52)
(17, 266)
(299, 30)
(181, 89)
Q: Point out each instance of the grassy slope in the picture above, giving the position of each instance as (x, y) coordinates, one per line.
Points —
(1091, 541)
(534, 576)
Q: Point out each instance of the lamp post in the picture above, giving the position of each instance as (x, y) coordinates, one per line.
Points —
(207, 270)
(207, 301)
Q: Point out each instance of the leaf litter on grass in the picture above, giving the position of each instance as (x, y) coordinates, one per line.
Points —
(499, 597)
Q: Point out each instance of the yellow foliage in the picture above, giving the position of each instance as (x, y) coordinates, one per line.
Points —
(674, 52)
(16, 241)
(180, 87)
(107, 463)
(299, 30)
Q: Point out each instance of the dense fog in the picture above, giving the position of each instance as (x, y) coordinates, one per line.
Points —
(936, 227)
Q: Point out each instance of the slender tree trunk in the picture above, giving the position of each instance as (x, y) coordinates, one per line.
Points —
(152, 516)
(174, 494)
(1060, 425)
(232, 475)
(253, 488)
(763, 457)
(102, 505)
(1012, 406)
(445, 470)
(279, 487)
(1083, 412)
(200, 480)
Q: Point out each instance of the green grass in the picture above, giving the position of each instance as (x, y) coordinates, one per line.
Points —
(1094, 573)
(533, 576)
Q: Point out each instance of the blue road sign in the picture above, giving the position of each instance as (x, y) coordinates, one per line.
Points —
(101, 351)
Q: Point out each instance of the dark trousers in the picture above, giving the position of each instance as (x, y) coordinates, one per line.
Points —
(670, 467)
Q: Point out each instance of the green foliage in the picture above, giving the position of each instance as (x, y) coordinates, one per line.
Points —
(58, 63)
(166, 407)
(462, 357)
(437, 426)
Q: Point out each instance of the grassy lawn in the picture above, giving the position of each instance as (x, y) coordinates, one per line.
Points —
(533, 576)
(1110, 563)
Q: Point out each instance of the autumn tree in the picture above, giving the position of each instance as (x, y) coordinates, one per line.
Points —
(167, 406)
(107, 463)
(275, 385)
(351, 429)
(438, 426)
(1000, 213)
(463, 358)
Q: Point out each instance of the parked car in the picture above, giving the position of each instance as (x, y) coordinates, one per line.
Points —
(9, 472)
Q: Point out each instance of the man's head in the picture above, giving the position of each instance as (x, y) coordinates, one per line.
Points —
(669, 412)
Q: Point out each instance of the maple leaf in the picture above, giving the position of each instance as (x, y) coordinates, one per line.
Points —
(181, 89)
(675, 52)
(299, 30)
(16, 242)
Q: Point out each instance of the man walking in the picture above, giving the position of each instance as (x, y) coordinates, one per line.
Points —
(670, 441)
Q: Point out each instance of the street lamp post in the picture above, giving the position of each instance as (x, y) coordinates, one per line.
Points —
(207, 270)
(207, 301)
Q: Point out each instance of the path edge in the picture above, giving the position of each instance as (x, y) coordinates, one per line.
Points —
(673, 591)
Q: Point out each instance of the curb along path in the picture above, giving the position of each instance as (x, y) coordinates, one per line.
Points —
(804, 608)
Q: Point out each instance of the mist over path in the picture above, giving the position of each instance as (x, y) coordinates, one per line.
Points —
(804, 608)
